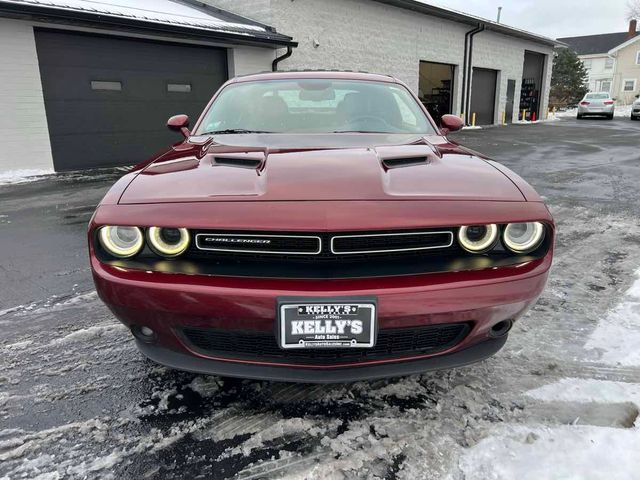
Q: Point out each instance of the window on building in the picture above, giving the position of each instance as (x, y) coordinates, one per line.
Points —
(605, 86)
(587, 64)
(638, 57)
(608, 63)
(629, 85)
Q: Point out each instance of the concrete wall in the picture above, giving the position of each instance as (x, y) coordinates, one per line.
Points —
(23, 122)
(259, 10)
(370, 36)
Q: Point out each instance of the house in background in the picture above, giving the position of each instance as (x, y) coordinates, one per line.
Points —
(626, 80)
(612, 61)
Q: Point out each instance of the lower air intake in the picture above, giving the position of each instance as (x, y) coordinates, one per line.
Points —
(262, 346)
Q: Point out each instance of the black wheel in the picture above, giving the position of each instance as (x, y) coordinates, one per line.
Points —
(634, 118)
(610, 117)
(580, 116)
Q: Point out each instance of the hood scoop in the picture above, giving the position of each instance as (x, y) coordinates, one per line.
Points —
(252, 163)
(404, 156)
(250, 160)
(390, 163)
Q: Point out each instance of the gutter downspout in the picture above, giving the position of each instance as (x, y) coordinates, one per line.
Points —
(466, 70)
(274, 64)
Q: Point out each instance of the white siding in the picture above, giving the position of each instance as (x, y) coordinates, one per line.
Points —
(244, 60)
(23, 122)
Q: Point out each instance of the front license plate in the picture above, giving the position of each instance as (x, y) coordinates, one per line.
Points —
(329, 323)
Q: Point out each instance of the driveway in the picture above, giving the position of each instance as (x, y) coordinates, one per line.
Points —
(561, 400)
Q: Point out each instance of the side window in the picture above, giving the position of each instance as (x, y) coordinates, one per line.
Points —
(408, 116)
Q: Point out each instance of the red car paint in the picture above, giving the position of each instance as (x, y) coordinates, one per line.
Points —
(338, 184)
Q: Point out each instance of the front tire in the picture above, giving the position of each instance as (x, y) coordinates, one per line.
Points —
(580, 116)
(610, 116)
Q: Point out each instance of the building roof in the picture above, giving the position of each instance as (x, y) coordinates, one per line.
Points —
(630, 41)
(594, 44)
(472, 20)
(182, 17)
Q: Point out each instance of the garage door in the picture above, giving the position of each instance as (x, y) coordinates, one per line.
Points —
(108, 99)
(483, 95)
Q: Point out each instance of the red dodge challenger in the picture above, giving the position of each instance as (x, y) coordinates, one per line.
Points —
(319, 227)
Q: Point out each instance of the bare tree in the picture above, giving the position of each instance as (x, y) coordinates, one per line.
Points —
(633, 9)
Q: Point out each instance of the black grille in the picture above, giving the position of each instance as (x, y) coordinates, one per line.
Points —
(384, 243)
(265, 244)
(391, 343)
(318, 247)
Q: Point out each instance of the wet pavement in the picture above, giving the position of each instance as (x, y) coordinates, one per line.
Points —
(78, 401)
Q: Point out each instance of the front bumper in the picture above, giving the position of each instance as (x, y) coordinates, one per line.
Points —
(459, 358)
(169, 302)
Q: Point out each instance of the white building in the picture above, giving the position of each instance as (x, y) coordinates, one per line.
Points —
(90, 84)
(430, 48)
(611, 60)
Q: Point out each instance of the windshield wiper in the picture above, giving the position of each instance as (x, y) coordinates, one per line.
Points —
(230, 131)
(357, 131)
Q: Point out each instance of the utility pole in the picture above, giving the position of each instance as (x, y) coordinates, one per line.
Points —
(499, 12)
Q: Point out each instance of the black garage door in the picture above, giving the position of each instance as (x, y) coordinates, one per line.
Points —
(108, 99)
(483, 95)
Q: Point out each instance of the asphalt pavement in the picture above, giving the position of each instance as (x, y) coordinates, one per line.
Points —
(78, 401)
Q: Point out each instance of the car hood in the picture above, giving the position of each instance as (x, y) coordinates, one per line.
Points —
(431, 169)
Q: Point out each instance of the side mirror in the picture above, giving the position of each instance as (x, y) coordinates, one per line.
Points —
(450, 123)
(179, 123)
(638, 96)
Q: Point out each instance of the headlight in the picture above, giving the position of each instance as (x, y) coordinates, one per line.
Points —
(121, 242)
(523, 237)
(168, 242)
(478, 238)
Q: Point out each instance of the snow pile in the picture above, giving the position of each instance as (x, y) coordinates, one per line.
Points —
(87, 335)
(22, 176)
(617, 337)
(620, 111)
(588, 390)
(566, 452)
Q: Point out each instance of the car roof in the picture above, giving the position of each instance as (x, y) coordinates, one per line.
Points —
(320, 74)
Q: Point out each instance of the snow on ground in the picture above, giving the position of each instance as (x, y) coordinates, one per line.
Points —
(575, 452)
(620, 111)
(22, 176)
(588, 390)
(566, 453)
(618, 335)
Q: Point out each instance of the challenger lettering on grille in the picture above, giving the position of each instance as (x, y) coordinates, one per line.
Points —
(238, 240)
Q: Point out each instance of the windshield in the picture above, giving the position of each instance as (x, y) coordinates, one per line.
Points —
(597, 96)
(315, 106)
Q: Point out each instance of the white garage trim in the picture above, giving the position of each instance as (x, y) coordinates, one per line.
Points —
(23, 122)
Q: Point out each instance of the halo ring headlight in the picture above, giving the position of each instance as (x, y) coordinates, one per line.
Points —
(478, 238)
(523, 237)
(120, 241)
(168, 242)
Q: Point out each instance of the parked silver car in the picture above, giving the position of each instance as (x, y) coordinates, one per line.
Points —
(635, 109)
(596, 104)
